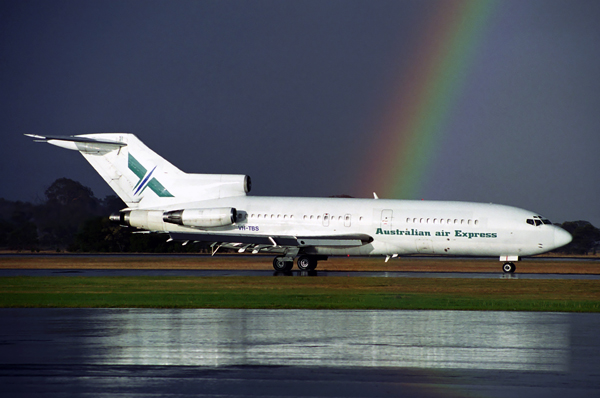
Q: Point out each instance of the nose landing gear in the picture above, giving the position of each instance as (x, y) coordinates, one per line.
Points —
(509, 268)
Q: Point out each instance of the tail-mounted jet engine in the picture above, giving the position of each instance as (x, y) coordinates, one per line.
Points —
(203, 218)
(154, 220)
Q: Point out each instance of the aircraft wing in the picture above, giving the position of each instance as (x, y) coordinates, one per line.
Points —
(281, 240)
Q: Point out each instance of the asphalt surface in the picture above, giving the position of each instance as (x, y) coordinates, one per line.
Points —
(297, 353)
(316, 273)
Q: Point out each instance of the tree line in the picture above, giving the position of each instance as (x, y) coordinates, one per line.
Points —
(70, 218)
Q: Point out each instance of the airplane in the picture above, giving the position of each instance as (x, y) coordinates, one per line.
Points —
(216, 210)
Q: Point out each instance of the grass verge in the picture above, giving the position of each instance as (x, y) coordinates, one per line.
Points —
(303, 293)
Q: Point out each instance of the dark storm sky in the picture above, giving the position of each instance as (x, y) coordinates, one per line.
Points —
(290, 93)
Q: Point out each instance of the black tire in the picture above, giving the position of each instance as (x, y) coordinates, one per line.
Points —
(281, 265)
(509, 268)
(306, 263)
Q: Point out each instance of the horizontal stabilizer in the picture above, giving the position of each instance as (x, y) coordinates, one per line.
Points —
(72, 138)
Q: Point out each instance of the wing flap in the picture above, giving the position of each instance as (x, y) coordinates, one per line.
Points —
(327, 240)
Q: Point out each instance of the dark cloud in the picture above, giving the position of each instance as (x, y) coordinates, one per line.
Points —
(289, 92)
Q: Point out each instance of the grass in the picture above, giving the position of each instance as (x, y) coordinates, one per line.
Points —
(303, 293)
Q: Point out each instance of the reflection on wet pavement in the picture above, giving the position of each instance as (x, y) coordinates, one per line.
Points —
(424, 339)
(482, 351)
(217, 337)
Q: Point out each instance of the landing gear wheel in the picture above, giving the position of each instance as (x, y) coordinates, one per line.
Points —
(282, 265)
(509, 268)
(306, 263)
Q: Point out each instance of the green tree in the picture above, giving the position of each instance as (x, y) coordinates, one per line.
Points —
(585, 237)
(98, 234)
(68, 204)
(17, 229)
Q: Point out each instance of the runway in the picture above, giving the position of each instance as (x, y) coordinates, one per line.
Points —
(316, 273)
(297, 353)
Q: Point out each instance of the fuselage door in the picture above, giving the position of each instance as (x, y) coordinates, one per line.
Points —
(347, 220)
(386, 219)
(326, 219)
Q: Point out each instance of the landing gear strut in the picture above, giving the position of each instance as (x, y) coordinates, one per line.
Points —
(509, 268)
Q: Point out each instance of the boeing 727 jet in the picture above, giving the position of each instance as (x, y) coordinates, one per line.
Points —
(215, 208)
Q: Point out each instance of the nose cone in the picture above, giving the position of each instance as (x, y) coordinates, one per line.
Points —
(561, 237)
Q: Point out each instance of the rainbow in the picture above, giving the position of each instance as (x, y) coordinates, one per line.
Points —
(408, 139)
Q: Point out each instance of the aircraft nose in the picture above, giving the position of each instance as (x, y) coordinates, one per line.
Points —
(561, 237)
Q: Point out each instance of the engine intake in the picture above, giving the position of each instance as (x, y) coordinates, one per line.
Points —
(203, 218)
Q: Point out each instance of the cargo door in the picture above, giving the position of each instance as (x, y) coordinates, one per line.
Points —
(424, 246)
(386, 219)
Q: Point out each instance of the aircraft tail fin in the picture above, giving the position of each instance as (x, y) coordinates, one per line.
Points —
(142, 178)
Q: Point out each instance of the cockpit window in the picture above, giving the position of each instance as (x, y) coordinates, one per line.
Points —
(537, 220)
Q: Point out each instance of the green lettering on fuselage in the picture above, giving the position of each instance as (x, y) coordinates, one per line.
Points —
(457, 233)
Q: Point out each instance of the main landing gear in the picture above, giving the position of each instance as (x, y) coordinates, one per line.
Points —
(509, 268)
(304, 262)
(282, 264)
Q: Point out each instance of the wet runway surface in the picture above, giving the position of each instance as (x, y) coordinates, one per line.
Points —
(291, 353)
(316, 273)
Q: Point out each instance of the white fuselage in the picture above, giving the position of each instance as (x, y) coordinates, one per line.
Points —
(396, 226)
